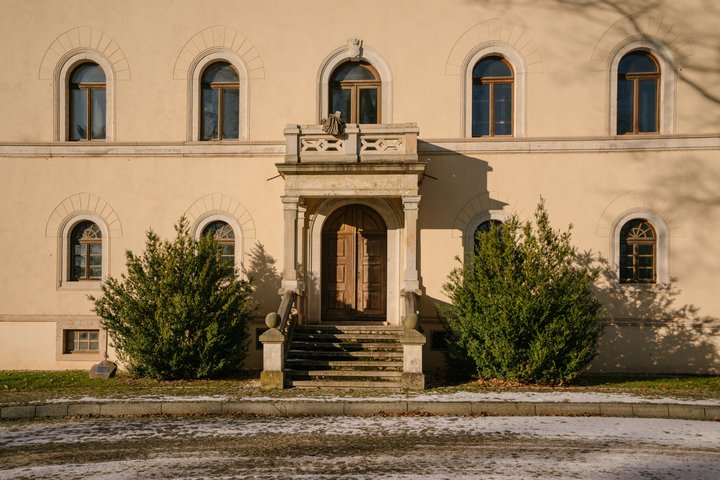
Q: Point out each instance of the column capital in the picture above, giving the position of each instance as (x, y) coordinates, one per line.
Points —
(290, 202)
(411, 202)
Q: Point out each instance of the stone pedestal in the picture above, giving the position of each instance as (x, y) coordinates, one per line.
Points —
(273, 375)
(413, 377)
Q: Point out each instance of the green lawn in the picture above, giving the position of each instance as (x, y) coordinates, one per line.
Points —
(21, 386)
(691, 387)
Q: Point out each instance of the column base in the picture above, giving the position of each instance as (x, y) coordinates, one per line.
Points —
(272, 380)
(413, 381)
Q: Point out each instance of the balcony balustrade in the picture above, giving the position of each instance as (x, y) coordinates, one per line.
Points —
(380, 143)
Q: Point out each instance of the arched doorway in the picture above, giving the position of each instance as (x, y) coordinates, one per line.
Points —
(354, 265)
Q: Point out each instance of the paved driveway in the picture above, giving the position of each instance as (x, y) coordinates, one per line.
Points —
(350, 447)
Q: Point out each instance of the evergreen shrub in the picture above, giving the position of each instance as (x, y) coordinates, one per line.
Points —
(522, 308)
(179, 312)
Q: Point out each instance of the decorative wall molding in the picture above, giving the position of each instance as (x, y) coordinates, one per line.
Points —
(224, 205)
(83, 203)
(214, 38)
(481, 205)
(640, 201)
(83, 38)
(644, 26)
(428, 146)
(490, 32)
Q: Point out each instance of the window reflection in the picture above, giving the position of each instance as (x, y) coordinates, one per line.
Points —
(220, 100)
(492, 97)
(355, 91)
(87, 103)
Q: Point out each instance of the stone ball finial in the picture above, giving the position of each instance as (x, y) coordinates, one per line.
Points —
(410, 321)
(272, 320)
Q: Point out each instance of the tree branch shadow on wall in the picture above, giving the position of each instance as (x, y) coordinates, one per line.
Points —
(649, 330)
(266, 280)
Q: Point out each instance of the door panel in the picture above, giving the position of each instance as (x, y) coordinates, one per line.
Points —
(354, 265)
(371, 284)
(339, 263)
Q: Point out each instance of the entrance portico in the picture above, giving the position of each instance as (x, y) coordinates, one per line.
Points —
(372, 171)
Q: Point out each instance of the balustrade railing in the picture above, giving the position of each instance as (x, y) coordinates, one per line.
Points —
(357, 143)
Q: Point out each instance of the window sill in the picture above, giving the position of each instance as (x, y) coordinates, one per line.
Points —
(80, 357)
(81, 285)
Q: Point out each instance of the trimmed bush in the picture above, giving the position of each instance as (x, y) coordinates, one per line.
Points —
(179, 312)
(522, 308)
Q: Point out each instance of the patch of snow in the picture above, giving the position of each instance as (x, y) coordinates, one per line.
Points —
(532, 397)
(142, 398)
(687, 433)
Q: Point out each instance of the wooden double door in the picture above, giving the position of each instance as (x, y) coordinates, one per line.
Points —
(354, 265)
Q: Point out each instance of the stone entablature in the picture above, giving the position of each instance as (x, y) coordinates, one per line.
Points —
(380, 143)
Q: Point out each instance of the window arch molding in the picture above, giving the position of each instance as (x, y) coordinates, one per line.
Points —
(197, 68)
(203, 221)
(65, 68)
(354, 52)
(662, 275)
(64, 233)
(668, 81)
(517, 62)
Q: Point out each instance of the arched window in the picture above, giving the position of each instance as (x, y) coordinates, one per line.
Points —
(492, 97)
(486, 226)
(87, 103)
(355, 91)
(638, 94)
(85, 252)
(220, 100)
(225, 237)
(638, 252)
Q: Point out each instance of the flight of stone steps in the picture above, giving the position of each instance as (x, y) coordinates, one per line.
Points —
(345, 356)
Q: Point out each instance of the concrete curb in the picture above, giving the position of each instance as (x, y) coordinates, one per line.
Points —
(289, 408)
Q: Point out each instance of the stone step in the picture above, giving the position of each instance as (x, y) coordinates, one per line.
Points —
(330, 337)
(350, 328)
(345, 356)
(359, 354)
(344, 373)
(379, 385)
(345, 364)
(346, 346)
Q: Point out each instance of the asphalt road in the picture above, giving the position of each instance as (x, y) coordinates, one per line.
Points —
(362, 448)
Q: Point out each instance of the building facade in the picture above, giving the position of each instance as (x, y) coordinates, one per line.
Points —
(120, 117)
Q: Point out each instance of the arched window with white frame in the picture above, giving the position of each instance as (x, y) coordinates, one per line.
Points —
(643, 80)
(218, 97)
(85, 97)
(494, 92)
(83, 251)
(225, 237)
(638, 94)
(227, 231)
(359, 67)
(640, 246)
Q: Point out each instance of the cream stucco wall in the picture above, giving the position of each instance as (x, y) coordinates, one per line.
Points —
(151, 173)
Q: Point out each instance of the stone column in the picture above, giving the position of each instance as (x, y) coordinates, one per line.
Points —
(411, 282)
(301, 246)
(290, 212)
